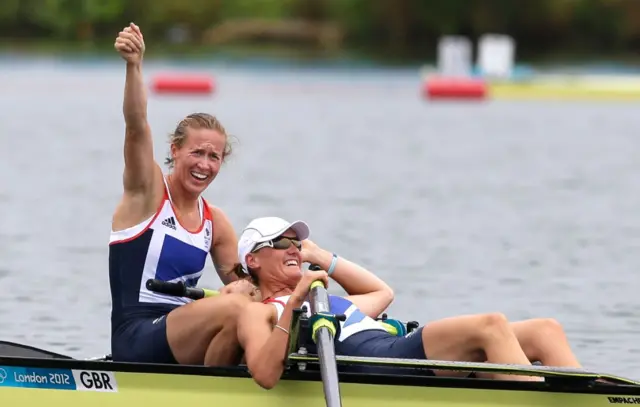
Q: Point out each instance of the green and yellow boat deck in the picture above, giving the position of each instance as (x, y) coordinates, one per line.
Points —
(42, 379)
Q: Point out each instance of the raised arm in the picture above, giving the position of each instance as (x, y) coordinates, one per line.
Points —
(366, 291)
(140, 168)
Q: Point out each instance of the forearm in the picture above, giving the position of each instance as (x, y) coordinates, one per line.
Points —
(135, 98)
(354, 278)
(269, 365)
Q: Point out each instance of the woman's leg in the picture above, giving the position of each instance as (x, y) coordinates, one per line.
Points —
(475, 338)
(544, 340)
(204, 331)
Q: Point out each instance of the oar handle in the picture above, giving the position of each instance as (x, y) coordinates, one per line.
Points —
(319, 292)
(178, 289)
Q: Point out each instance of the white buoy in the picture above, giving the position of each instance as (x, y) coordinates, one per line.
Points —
(455, 56)
(496, 56)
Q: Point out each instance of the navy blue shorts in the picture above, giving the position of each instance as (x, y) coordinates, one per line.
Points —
(142, 340)
(381, 344)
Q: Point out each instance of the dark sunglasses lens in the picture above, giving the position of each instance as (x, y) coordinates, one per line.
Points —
(285, 242)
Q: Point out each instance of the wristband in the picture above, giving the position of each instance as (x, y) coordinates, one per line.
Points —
(332, 267)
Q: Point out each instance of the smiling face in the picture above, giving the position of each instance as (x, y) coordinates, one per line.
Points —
(198, 160)
(199, 146)
(279, 260)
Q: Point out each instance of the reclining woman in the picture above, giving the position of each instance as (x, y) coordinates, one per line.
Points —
(271, 250)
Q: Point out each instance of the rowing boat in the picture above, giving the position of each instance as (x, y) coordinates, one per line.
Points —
(36, 377)
(39, 381)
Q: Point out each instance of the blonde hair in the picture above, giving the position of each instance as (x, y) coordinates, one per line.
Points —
(196, 121)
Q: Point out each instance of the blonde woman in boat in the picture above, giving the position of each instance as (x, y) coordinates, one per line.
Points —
(164, 229)
(271, 250)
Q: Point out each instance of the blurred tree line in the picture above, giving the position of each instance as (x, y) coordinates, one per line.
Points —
(396, 27)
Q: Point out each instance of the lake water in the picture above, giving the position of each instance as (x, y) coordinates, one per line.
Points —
(528, 208)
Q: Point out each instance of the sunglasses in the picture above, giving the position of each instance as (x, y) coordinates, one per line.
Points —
(279, 243)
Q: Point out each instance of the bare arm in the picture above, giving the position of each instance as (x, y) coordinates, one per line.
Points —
(224, 249)
(264, 347)
(140, 168)
(139, 164)
(366, 291)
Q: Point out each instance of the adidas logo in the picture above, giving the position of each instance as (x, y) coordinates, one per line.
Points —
(170, 223)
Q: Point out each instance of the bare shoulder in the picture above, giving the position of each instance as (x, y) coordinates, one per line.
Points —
(260, 310)
(255, 323)
(217, 212)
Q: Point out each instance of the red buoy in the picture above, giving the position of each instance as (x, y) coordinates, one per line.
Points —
(182, 83)
(454, 88)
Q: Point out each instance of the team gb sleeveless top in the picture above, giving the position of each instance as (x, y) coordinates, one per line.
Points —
(161, 248)
(356, 321)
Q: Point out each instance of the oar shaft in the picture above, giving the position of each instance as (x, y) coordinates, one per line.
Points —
(328, 368)
(323, 335)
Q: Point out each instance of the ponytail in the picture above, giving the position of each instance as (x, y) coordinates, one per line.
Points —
(240, 272)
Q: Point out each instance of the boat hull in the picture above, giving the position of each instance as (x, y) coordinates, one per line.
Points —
(41, 382)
